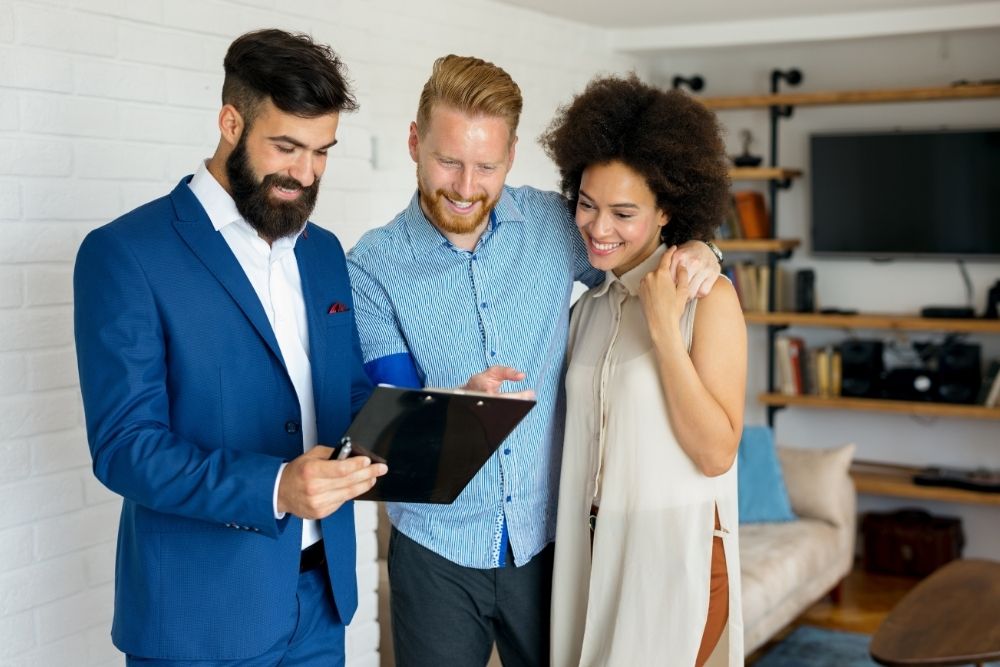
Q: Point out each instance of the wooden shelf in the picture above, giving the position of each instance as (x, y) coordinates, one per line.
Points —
(921, 408)
(878, 479)
(875, 321)
(757, 245)
(763, 173)
(876, 96)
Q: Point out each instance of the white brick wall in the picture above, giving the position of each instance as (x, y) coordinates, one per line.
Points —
(105, 104)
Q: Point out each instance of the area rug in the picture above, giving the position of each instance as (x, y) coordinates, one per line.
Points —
(817, 647)
(807, 646)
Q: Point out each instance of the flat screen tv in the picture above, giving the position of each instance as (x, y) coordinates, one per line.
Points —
(906, 194)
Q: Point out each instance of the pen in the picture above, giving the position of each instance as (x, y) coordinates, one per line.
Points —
(345, 448)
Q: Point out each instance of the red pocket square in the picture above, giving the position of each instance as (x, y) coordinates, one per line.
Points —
(337, 307)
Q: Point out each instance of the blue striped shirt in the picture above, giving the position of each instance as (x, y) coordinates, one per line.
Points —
(432, 314)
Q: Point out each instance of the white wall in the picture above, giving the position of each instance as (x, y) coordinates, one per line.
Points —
(105, 104)
(901, 286)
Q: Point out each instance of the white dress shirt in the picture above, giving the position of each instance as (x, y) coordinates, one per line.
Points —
(274, 273)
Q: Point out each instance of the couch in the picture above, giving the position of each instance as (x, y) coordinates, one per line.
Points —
(786, 567)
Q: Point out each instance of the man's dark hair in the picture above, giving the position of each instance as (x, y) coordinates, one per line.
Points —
(300, 76)
(668, 137)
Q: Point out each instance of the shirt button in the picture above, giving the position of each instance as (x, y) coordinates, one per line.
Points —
(506, 451)
(493, 353)
(484, 305)
(508, 499)
(291, 427)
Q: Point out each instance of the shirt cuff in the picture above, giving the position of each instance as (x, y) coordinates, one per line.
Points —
(274, 499)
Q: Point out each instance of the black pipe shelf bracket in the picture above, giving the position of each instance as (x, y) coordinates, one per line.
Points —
(772, 411)
(791, 77)
(695, 82)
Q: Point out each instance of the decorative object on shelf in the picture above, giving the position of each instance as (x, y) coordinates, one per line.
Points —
(695, 82)
(805, 291)
(746, 158)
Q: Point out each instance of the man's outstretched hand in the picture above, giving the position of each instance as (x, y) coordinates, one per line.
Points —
(490, 380)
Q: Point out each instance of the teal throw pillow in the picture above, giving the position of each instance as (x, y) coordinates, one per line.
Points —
(763, 497)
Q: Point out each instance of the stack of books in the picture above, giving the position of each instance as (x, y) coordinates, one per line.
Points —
(751, 282)
(802, 371)
(746, 217)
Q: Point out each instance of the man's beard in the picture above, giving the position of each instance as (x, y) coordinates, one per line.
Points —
(270, 218)
(444, 219)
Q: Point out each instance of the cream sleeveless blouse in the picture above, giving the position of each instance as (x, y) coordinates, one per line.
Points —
(641, 598)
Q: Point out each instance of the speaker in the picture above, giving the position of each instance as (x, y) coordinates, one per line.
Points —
(910, 384)
(959, 371)
(861, 367)
(805, 291)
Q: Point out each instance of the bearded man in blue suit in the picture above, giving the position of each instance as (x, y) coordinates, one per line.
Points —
(217, 349)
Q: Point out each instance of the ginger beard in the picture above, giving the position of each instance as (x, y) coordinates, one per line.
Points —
(436, 206)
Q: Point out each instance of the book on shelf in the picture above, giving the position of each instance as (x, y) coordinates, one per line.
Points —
(752, 213)
(763, 288)
(823, 371)
(784, 289)
(809, 372)
(729, 227)
(836, 373)
(789, 353)
(989, 394)
(783, 361)
(796, 353)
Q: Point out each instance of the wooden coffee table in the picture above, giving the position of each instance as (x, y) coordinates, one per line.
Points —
(950, 618)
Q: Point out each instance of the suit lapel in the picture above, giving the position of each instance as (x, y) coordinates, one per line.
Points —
(197, 231)
(311, 273)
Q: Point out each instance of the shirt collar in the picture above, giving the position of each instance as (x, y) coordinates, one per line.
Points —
(424, 236)
(221, 208)
(631, 279)
(218, 203)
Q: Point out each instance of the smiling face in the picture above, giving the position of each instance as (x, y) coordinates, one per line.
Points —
(462, 162)
(274, 169)
(617, 217)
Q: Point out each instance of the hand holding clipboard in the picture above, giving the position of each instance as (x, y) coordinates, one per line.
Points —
(433, 440)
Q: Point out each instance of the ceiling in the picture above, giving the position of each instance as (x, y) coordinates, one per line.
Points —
(667, 13)
(661, 26)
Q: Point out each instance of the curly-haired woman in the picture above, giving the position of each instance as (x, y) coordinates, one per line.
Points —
(646, 562)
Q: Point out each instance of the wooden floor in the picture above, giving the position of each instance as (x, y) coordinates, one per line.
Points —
(864, 601)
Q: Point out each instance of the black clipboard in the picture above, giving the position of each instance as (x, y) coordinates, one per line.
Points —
(433, 440)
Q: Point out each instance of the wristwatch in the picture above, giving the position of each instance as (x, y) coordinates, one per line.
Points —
(715, 250)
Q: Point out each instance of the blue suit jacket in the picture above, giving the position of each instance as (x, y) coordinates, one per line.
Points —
(190, 412)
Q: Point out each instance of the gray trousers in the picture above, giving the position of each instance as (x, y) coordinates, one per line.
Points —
(446, 615)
